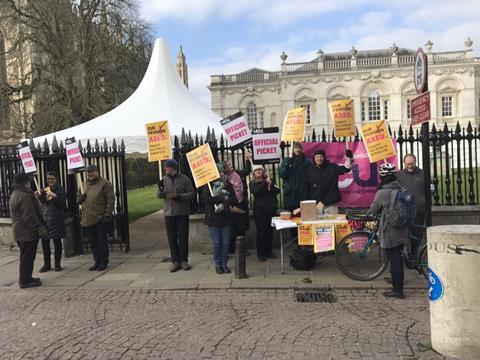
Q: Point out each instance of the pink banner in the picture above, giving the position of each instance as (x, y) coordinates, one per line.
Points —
(357, 187)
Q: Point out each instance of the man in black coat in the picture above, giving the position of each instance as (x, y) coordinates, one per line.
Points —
(321, 180)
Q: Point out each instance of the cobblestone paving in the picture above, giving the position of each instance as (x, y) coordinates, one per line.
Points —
(210, 324)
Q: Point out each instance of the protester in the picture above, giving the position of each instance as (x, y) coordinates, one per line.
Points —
(97, 208)
(412, 178)
(321, 181)
(219, 219)
(240, 213)
(292, 171)
(176, 189)
(392, 238)
(26, 221)
(53, 200)
(264, 193)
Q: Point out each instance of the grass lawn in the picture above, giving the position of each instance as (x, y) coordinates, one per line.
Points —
(142, 202)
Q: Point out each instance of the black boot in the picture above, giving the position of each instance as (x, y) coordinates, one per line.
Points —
(58, 254)
(46, 256)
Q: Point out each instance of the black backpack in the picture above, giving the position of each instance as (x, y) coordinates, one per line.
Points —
(303, 258)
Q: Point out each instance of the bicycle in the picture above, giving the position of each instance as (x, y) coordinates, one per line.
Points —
(359, 255)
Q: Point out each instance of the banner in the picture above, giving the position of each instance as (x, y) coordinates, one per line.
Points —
(305, 234)
(294, 125)
(266, 145)
(202, 165)
(74, 156)
(158, 137)
(377, 140)
(358, 187)
(343, 117)
(27, 158)
(324, 238)
(236, 129)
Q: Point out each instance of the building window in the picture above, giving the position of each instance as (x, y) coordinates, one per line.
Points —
(385, 109)
(307, 108)
(374, 107)
(409, 109)
(447, 110)
(252, 115)
(363, 110)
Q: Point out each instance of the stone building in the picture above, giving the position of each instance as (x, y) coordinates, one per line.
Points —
(380, 82)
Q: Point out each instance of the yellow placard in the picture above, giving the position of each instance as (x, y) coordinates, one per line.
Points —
(305, 234)
(377, 140)
(324, 238)
(158, 137)
(343, 117)
(294, 125)
(202, 165)
(341, 230)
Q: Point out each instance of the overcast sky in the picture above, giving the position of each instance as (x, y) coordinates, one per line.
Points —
(230, 36)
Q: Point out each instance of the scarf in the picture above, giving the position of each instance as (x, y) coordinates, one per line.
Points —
(237, 185)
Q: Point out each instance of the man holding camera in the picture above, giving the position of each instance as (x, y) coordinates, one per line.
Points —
(177, 191)
(97, 203)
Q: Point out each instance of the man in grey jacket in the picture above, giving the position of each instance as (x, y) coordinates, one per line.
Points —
(176, 189)
(412, 178)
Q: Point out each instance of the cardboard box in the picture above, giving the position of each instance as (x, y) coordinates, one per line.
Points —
(308, 210)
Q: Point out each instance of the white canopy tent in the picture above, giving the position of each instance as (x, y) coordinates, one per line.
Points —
(160, 96)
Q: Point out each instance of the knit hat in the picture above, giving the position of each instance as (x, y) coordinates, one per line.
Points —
(92, 168)
(20, 179)
(320, 152)
(258, 167)
(171, 163)
(297, 145)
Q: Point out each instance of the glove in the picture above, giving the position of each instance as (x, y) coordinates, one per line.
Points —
(106, 219)
(161, 194)
(349, 154)
(82, 198)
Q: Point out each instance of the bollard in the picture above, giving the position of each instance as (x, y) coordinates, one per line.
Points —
(454, 270)
(240, 263)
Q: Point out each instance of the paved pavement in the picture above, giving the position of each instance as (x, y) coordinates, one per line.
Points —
(47, 323)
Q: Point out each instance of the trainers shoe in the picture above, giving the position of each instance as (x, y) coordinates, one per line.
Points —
(393, 294)
(45, 268)
(174, 267)
(219, 270)
(32, 283)
(93, 268)
(185, 266)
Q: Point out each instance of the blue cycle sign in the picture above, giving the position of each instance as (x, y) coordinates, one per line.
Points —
(435, 292)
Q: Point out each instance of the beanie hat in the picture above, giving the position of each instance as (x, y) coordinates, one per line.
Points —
(297, 145)
(171, 163)
(258, 167)
(320, 152)
(20, 179)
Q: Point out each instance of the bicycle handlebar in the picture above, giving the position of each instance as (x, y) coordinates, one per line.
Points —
(361, 216)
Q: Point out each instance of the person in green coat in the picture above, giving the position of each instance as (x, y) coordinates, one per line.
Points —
(292, 170)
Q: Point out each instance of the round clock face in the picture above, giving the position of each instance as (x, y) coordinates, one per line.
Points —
(420, 72)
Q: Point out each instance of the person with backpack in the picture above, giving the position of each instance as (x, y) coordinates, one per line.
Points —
(391, 202)
(264, 193)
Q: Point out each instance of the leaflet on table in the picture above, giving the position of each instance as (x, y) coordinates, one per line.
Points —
(280, 224)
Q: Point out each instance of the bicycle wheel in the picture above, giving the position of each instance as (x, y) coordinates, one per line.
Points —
(359, 262)
(422, 265)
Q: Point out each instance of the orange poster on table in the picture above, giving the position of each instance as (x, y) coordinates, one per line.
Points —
(158, 137)
(294, 125)
(343, 117)
(377, 140)
(341, 230)
(305, 234)
(202, 165)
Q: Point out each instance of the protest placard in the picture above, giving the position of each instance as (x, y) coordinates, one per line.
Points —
(74, 156)
(158, 138)
(343, 117)
(341, 230)
(324, 238)
(294, 125)
(28, 161)
(202, 165)
(266, 145)
(377, 140)
(236, 129)
(305, 234)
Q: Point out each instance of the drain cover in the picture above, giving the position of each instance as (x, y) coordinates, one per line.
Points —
(315, 296)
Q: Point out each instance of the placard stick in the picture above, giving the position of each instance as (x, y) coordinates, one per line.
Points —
(160, 170)
(36, 183)
(80, 182)
(211, 193)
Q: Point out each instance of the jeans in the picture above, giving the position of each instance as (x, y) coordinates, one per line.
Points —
(97, 237)
(263, 222)
(177, 234)
(28, 252)
(396, 267)
(220, 236)
(47, 254)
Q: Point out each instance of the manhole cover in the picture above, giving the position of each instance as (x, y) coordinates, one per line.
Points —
(315, 296)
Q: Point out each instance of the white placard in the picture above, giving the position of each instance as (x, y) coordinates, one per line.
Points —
(236, 129)
(27, 158)
(74, 156)
(266, 145)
